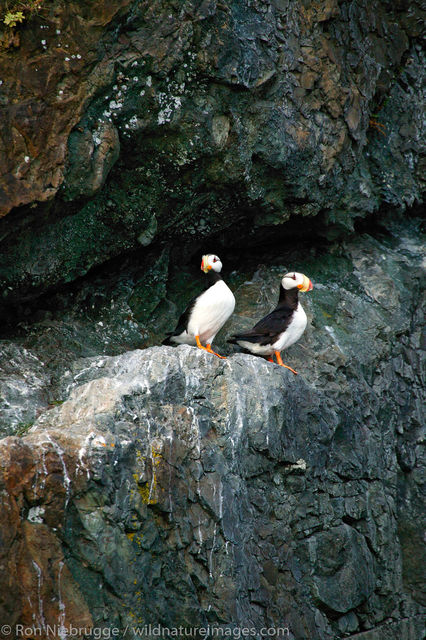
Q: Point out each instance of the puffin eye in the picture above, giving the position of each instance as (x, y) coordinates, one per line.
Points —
(294, 276)
(215, 259)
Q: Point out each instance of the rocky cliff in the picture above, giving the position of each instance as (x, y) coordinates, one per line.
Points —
(142, 484)
(166, 486)
(126, 124)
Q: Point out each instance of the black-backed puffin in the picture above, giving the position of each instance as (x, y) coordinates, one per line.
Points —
(283, 326)
(206, 313)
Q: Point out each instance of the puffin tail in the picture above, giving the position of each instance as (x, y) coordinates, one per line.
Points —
(232, 339)
(167, 340)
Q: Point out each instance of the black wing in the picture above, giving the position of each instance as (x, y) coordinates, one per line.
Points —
(267, 330)
(182, 322)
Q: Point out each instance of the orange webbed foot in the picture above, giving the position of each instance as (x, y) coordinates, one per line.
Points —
(281, 363)
(210, 350)
(207, 348)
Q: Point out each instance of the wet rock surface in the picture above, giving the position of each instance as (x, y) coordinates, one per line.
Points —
(167, 486)
(130, 124)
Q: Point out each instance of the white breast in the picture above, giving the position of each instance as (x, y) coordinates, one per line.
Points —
(210, 312)
(294, 330)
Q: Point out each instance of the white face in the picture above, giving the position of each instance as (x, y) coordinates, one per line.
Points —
(294, 279)
(211, 261)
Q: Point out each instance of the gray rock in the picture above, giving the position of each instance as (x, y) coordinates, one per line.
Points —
(23, 388)
(175, 488)
(342, 568)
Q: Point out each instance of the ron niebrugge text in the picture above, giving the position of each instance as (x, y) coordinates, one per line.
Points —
(145, 631)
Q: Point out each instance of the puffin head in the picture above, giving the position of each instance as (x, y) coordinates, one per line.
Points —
(294, 279)
(210, 261)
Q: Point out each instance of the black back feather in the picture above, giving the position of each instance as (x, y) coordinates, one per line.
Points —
(269, 328)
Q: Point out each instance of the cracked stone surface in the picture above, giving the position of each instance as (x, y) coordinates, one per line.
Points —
(166, 486)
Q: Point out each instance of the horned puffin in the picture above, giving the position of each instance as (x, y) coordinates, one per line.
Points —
(206, 314)
(283, 326)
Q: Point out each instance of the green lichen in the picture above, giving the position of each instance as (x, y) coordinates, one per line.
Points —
(23, 427)
(12, 19)
(19, 10)
(147, 490)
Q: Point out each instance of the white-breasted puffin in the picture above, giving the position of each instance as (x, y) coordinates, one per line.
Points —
(206, 313)
(283, 326)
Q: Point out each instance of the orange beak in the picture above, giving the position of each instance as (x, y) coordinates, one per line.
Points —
(306, 285)
(204, 266)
